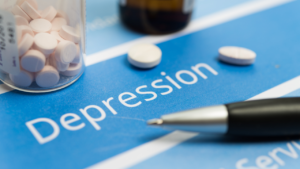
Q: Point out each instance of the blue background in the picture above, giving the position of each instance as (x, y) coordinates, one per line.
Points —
(273, 34)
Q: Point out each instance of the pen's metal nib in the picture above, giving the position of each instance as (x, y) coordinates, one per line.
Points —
(155, 122)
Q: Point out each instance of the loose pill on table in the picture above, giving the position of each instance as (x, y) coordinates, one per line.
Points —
(26, 29)
(47, 77)
(18, 11)
(145, 56)
(45, 42)
(20, 20)
(23, 79)
(57, 63)
(33, 61)
(73, 70)
(66, 51)
(57, 36)
(25, 44)
(40, 25)
(30, 10)
(57, 23)
(49, 13)
(237, 55)
(69, 33)
(33, 3)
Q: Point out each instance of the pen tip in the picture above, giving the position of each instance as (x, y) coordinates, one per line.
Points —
(155, 122)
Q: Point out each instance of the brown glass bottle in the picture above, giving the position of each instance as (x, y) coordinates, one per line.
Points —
(156, 16)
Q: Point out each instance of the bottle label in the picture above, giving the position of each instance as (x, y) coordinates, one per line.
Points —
(9, 55)
(188, 6)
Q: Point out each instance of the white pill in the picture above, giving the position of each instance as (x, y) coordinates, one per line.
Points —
(77, 57)
(57, 36)
(18, 11)
(30, 11)
(58, 64)
(33, 3)
(66, 51)
(20, 20)
(25, 30)
(47, 77)
(145, 56)
(25, 44)
(40, 25)
(33, 61)
(49, 13)
(23, 79)
(237, 55)
(61, 14)
(73, 70)
(57, 23)
(45, 42)
(69, 33)
(19, 34)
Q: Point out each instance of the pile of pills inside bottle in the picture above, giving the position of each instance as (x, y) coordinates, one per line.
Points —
(48, 47)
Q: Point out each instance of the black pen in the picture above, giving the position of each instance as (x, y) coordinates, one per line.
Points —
(270, 117)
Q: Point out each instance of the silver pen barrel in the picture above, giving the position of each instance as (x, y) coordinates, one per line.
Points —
(210, 119)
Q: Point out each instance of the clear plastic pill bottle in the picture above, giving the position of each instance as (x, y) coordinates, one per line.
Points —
(156, 16)
(41, 43)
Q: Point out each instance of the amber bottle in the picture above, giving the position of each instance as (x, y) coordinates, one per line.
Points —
(156, 16)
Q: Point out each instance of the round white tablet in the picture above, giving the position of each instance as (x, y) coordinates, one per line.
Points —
(45, 42)
(73, 70)
(33, 3)
(145, 56)
(66, 51)
(77, 57)
(33, 61)
(23, 79)
(18, 11)
(58, 64)
(30, 10)
(57, 36)
(25, 30)
(40, 25)
(25, 44)
(47, 77)
(69, 33)
(237, 55)
(20, 20)
(57, 23)
(49, 13)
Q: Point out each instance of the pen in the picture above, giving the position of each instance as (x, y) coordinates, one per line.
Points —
(270, 117)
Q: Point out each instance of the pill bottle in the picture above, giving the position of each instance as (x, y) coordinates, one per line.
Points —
(41, 43)
(156, 16)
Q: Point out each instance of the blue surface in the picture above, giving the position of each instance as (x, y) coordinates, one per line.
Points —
(273, 34)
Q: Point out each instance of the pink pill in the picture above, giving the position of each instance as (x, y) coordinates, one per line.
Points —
(47, 77)
(45, 43)
(21, 20)
(18, 11)
(77, 57)
(40, 25)
(49, 13)
(57, 23)
(57, 36)
(25, 44)
(19, 34)
(33, 3)
(23, 79)
(30, 11)
(33, 61)
(69, 33)
(58, 64)
(25, 30)
(73, 70)
(61, 14)
(66, 52)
